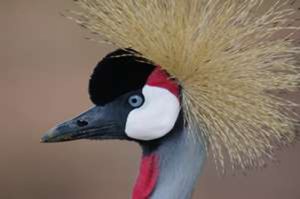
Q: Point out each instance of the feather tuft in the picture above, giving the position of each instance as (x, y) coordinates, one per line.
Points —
(229, 57)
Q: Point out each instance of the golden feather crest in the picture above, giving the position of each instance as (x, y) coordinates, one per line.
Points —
(227, 58)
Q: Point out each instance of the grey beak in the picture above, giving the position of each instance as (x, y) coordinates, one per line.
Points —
(96, 123)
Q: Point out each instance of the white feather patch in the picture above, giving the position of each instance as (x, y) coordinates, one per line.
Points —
(156, 117)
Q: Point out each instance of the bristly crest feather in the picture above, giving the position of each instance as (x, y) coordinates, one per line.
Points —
(227, 58)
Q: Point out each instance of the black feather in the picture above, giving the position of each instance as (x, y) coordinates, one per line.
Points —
(118, 73)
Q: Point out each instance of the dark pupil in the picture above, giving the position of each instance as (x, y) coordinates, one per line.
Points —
(136, 101)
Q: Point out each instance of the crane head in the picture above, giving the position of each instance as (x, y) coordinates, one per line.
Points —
(134, 100)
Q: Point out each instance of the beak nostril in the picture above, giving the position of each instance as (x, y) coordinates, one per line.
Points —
(82, 123)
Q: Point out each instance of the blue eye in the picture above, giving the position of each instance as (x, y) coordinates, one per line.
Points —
(136, 101)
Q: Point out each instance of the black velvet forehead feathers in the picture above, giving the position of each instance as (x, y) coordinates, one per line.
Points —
(116, 75)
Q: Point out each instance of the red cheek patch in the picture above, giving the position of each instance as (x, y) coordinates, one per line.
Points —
(160, 78)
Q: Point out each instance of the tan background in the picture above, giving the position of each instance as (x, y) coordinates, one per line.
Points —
(45, 63)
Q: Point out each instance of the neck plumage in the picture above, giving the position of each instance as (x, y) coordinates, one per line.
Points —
(170, 167)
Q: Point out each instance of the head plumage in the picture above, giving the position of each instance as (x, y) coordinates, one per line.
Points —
(228, 56)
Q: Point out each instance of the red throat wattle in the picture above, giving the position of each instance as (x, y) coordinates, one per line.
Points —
(160, 78)
(147, 178)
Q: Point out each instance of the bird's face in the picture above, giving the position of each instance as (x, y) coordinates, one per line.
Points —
(133, 100)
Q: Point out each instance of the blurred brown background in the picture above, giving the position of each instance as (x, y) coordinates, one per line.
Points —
(45, 64)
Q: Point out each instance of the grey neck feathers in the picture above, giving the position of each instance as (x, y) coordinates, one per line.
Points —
(181, 160)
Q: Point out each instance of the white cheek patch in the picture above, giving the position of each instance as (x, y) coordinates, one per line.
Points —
(156, 117)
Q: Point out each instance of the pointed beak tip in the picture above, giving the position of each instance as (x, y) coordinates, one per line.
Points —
(49, 136)
(45, 139)
(55, 135)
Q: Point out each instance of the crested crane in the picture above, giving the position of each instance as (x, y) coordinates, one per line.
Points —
(190, 78)
(138, 102)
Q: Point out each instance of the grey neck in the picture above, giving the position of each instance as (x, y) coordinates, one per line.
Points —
(181, 160)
